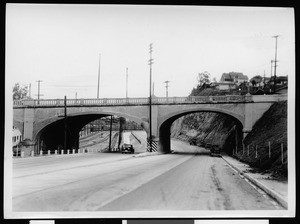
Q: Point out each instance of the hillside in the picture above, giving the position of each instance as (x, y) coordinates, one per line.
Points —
(204, 127)
(271, 127)
(208, 127)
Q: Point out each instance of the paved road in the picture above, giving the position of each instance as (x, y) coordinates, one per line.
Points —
(103, 181)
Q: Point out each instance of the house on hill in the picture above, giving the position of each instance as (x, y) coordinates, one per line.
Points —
(234, 77)
(231, 80)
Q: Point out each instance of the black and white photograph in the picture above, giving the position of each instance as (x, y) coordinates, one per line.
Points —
(149, 111)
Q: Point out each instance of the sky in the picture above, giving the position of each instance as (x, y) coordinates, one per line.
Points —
(64, 46)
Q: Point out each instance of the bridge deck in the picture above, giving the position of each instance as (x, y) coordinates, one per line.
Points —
(133, 101)
(145, 101)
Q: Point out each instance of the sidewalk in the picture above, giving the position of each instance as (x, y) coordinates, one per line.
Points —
(276, 189)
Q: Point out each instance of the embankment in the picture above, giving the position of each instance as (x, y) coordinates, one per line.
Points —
(265, 147)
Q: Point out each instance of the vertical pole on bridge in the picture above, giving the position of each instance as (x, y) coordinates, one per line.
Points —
(167, 86)
(126, 83)
(39, 94)
(65, 123)
(110, 130)
(275, 64)
(150, 95)
(98, 76)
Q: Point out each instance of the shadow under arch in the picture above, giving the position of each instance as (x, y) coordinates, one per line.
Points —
(50, 132)
(165, 128)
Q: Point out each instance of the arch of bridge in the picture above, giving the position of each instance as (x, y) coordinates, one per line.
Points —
(165, 121)
(235, 110)
(42, 124)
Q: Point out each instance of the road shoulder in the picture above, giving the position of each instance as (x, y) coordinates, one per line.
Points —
(275, 189)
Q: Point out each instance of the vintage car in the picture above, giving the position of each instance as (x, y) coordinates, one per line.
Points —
(127, 148)
(215, 151)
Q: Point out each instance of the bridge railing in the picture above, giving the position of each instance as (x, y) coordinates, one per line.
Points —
(145, 101)
(127, 101)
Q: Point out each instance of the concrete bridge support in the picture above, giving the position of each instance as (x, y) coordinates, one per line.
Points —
(28, 123)
(253, 112)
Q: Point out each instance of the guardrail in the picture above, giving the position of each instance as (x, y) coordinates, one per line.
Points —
(21, 153)
(132, 101)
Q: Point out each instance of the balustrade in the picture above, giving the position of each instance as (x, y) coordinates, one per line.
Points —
(142, 101)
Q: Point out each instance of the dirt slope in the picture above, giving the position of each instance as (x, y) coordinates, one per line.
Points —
(270, 128)
(200, 128)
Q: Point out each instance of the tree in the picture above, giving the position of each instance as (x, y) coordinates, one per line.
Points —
(203, 79)
(256, 79)
(253, 82)
(19, 92)
(203, 82)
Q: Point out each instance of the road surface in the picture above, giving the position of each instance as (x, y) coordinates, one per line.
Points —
(111, 181)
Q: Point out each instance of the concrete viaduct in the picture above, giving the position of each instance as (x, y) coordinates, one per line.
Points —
(43, 120)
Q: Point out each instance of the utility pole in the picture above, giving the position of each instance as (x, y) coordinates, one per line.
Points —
(271, 74)
(29, 90)
(65, 124)
(153, 88)
(167, 86)
(264, 81)
(110, 131)
(274, 87)
(39, 81)
(150, 103)
(98, 76)
(126, 82)
(272, 68)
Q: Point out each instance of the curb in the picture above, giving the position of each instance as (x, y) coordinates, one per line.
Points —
(263, 187)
